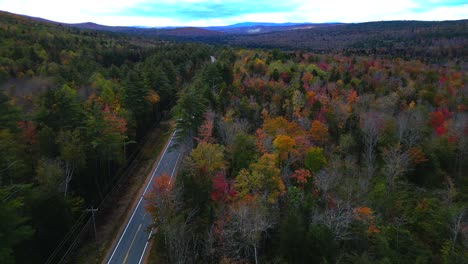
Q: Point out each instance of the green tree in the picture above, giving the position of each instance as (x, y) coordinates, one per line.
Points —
(242, 152)
(9, 114)
(12, 160)
(314, 159)
(61, 109)
(189, 111)
(13, 228)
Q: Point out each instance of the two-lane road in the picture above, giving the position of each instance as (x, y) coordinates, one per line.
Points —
(133, 241)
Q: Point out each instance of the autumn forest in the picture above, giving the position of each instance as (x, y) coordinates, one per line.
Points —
(291, 156)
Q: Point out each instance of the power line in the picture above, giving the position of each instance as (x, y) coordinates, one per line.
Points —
(125, 172)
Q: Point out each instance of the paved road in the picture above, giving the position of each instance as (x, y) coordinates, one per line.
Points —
(133, 241)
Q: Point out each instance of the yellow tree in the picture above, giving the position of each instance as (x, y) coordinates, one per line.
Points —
(262, 178)
(284, 145)
(208, 157)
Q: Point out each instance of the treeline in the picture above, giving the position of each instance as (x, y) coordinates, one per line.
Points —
(74, 104)
(431, 42)
(304, 158)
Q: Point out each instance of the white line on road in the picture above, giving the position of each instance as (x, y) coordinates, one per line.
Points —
(152, 176)
(131, 244)
(141, 198)
(144, 249)
(146, 244)
(175, 166)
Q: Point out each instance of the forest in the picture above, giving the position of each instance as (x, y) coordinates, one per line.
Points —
(295, 156)
(74, 104)
(306, 158)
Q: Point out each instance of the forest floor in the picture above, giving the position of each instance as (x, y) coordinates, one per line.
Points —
(109, 225)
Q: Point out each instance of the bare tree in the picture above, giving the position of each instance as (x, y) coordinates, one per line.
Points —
(170, 222)
(72, 154)
(329, 177)
(337, 219)
(182, 244)
(247, 223)
(458, 129)
(396, 164)
(408, 127)
(386, 104)
(229, 130)
(370, 125)
(456, 227)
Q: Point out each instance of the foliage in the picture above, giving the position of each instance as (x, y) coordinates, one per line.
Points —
(357, 156)
(315, 159)
(208, 158)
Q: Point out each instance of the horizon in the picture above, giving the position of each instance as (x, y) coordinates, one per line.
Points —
(203, 13)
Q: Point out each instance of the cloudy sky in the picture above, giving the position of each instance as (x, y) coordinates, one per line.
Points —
(217, 12)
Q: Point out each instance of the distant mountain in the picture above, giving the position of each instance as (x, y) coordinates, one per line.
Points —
(263, 24)
(265, 27)
(94, 26)
(189, 31)
(428, 40)
(240, 28)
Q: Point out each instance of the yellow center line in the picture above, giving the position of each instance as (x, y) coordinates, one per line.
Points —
(131, 244)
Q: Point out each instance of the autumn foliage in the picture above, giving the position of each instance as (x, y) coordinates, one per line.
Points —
(319, 132)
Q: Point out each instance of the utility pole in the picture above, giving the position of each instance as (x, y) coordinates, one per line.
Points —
(93, 211)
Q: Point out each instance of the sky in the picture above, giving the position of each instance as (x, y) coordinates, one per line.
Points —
(160, 13)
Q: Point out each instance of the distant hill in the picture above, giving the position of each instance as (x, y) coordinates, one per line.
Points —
(427, 40)
(431, 40)
(239, 28)
(260, 28)
(150, 31)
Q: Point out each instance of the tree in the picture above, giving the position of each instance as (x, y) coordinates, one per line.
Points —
(205, 131)
(189, 111)
(222, 191)
(247, 223)
(72, 154)
(262, 178)
(319, 132)
(161, 202)
(50, 174)
(284, 145)
(208, 158)
(242, 153)
(9, 114)
(314, 159)
(13, 227)
(371, 124)
(337, 219)
(12, 161)
(396, 164)
(409, 125)
(135, 97)
(60, 109)
(302, 177)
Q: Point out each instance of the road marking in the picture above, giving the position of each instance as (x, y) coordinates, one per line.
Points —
(144, 249)
(131, 244)
(151, 232)
(175, 166)
(141, 198)
(159, 162)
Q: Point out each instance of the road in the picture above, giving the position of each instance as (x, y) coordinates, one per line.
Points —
(133, 241)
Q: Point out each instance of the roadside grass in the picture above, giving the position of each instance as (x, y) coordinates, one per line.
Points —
(109, 225)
